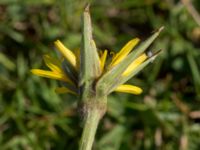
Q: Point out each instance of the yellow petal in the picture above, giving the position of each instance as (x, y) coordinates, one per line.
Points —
(69, 55)
(62, 90)
(52, 63)
(103, 59)
(124, 52)
(135, 64)
(125, 88)
(50, 74)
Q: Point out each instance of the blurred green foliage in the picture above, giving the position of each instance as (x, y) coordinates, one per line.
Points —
(165, 117)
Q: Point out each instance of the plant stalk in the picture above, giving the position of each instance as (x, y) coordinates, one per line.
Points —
(95, 110)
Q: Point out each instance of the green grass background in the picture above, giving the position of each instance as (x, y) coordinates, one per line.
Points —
(165, 117)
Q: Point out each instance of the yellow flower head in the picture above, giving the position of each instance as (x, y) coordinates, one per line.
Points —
(86, 70)
(57, 72)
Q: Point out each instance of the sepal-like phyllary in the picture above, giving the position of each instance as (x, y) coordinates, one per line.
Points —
(126, 67)
(89, 58)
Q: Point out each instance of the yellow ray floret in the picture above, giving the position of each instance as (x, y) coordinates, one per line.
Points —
(62, 90)
(52, 63)
(135, 64)
(125, 88)
(69, 55)
(103, 59)
(51, 75)
(124, 52)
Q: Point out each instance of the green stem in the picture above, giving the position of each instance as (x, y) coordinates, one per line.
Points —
(94, 112)
(89, 130)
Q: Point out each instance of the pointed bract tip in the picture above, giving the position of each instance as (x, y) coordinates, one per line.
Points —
(87, 7)
(161, 28)
(153, 57)
(158, 30)
(159, 51)
(151, 54)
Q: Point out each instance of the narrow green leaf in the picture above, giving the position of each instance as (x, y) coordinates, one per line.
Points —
(195, 72)
(7, 62)
(112, 140)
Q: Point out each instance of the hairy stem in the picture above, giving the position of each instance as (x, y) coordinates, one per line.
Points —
(95, 111)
